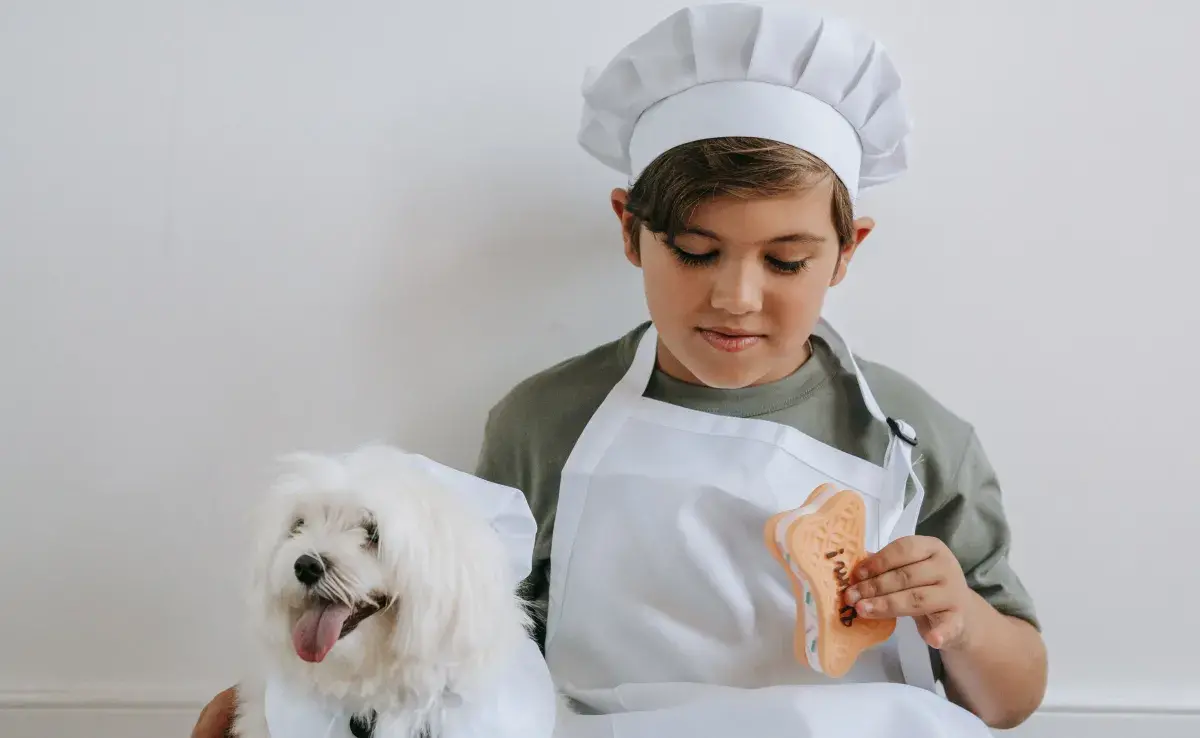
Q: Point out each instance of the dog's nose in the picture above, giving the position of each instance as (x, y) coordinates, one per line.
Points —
(309, 569)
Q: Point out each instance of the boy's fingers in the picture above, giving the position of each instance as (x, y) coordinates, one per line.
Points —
(915, 601)
(898, 553)
(944, 628)
(921, 574)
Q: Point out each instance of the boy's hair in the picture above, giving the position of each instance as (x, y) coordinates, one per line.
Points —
(667, 193)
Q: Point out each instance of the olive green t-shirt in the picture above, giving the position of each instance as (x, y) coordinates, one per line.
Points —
(530, 433)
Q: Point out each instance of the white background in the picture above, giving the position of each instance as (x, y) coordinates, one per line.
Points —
(233, 229)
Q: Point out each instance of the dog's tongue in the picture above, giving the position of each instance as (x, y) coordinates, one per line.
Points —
(318, 629)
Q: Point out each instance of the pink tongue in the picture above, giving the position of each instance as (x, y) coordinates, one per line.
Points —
(317, 630)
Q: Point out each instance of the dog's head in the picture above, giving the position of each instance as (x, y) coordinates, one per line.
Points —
(371, 570)
(327, 569)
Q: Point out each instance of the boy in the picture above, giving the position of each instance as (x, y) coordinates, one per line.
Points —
(748, 131)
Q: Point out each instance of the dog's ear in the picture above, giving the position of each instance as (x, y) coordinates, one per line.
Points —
(456, 604)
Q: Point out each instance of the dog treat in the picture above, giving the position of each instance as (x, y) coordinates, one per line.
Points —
(819, 544)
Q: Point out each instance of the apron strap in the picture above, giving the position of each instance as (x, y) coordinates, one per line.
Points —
(898, 471)
(911, 649)
(897, 427)
(637, 378)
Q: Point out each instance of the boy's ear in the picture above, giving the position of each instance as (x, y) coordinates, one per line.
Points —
(862, 229)
(619, 199)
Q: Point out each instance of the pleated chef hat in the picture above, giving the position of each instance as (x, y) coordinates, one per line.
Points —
(774, 71)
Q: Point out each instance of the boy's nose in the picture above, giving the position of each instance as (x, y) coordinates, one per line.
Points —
(738, 289)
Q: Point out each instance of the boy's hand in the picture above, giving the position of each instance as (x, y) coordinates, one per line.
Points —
(217, 716)
(916, 576)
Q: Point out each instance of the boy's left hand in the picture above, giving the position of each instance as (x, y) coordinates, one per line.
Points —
(916, 576)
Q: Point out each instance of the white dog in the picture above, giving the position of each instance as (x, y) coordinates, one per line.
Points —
(385, 606)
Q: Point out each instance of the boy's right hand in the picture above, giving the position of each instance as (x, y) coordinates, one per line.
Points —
(217, 716)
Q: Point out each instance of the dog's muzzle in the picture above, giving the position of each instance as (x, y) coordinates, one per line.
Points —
(326, 616)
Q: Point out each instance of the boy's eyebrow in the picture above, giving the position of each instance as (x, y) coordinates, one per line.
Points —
(798, 237)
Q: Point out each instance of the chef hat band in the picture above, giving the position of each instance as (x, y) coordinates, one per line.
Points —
(751, 109)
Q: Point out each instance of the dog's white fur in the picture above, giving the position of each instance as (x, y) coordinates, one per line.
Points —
(453, 612)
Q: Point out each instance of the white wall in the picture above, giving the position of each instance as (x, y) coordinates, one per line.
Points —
(231, 229)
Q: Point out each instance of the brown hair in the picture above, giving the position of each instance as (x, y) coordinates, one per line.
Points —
(668, 191)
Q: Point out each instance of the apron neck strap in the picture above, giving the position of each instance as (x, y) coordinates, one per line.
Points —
(635, 381)
(898, 427)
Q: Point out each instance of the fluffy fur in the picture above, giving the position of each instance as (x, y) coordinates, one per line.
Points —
(428, 572)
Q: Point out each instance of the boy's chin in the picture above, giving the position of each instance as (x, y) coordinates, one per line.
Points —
(721, 375)
(729, 383)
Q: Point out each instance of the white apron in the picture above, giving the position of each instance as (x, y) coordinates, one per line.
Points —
(669, 617)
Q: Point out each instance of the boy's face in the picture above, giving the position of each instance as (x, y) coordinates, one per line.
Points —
(738, 294)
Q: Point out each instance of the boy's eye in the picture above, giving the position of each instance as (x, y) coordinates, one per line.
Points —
(690, 259)
(787, 267)
(694, 259)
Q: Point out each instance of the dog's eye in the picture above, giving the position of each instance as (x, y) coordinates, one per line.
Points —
(372, 531)
(297, 524)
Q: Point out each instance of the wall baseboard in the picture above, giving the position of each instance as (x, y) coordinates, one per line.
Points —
(1056, 722)
(101, 712)
(171, 713)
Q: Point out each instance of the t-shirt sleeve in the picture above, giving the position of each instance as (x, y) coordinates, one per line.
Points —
(500, 463)
(973, 525)
(495, 463)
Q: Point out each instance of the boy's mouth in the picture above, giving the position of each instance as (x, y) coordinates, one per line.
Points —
(730, 340)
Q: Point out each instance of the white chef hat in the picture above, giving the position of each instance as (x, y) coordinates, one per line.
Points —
(774, 71)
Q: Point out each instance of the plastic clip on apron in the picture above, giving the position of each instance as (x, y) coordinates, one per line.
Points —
(669, 617)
